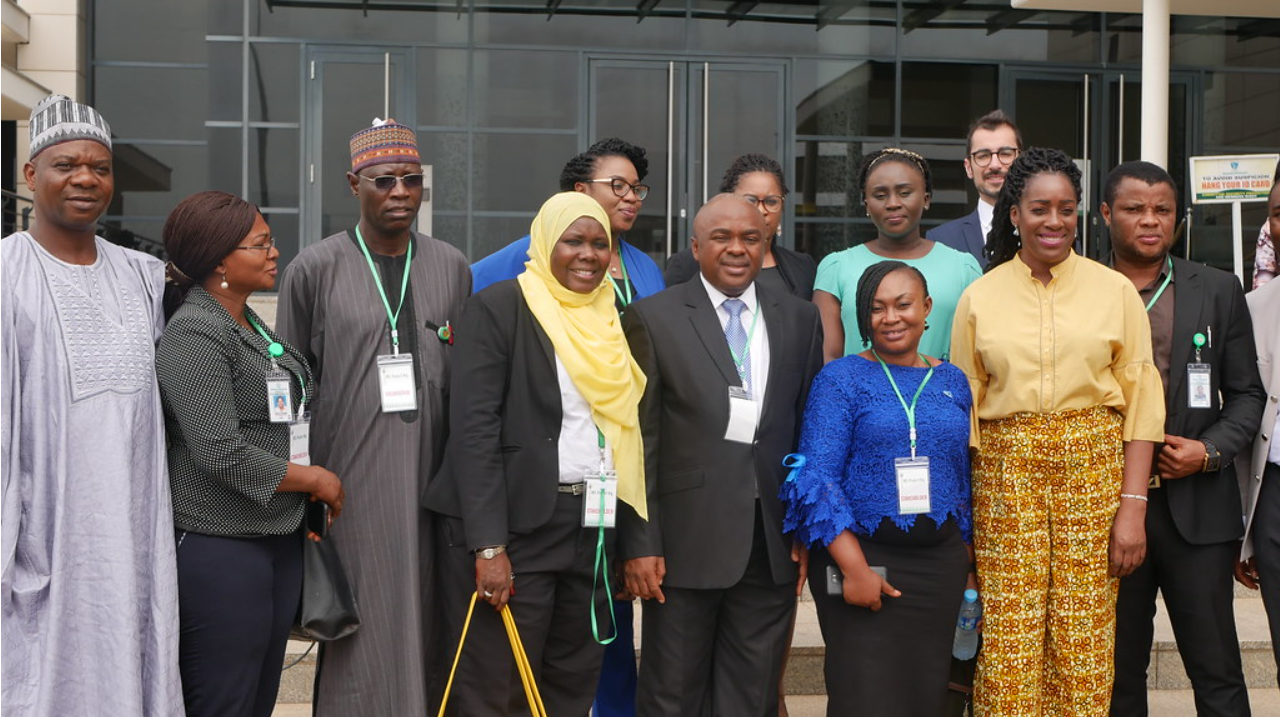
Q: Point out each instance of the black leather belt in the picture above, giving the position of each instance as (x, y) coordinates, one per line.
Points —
(572, 488)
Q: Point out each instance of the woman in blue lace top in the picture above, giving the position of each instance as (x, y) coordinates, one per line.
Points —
(863, 503)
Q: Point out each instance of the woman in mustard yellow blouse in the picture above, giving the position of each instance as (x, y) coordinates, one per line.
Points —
(1068, 405)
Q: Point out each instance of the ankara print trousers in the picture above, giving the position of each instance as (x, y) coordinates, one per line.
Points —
(1045, 491)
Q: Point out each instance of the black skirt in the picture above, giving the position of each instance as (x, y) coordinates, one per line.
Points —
(896, 661)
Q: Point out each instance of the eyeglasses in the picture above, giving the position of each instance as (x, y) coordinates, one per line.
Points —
(271, 244)
(772, 202)
(620, 187)
(387, 182)
(983, 156)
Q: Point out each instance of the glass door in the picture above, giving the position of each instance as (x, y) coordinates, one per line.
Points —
(345, 89)
(1097, 119)
(693, 118)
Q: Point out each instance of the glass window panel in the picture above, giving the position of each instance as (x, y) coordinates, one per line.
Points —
(349, 21)
(226, 18)
(453, 230)
(517, 172)
(224, 159)
(152, 178)
(145, 235)
(153, 102)
(493, 233)
(785, 28)
(275, 82)
(994, 31)
(442, 87)
(446, 152)
(607, 25)
(275, 172)
(526, 89)
(1241, 111)
(1201, 41)
(951, 185)
(226, 62)
(825, 180)
(942, 99)
(844, 98)
(173, 31)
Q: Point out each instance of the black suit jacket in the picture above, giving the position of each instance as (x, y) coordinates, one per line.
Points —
(701, 488)
(963, 234)
(502, 464)
(1206, 506)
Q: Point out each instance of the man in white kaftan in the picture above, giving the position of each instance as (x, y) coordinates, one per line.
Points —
(89, 588)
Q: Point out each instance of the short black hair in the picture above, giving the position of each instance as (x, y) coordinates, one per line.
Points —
(894, 154)
(869, 284)
(581, 167)
(1151, 174)
(1002, 243)
(748, 163)
(990, 122)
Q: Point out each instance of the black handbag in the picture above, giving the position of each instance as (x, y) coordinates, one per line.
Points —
(328, 609)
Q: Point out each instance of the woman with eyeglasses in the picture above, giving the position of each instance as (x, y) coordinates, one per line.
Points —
(759, 180)
(896, 188)
(234, 396)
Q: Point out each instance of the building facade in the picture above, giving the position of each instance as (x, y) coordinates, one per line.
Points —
(258, 97)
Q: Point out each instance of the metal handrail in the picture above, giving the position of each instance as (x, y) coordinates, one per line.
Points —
(17, 217)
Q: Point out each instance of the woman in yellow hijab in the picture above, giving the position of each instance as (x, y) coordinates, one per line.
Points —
(544, 429)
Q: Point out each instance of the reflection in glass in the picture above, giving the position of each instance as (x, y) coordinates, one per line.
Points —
(844, 99)
(516, 172)
(274, 168)
(942, 99)
(274, 82)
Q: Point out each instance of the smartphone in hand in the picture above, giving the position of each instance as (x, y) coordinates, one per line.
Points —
(318, 517)
(835, 579)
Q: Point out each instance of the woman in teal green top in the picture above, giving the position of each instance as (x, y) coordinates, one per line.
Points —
(896, 188)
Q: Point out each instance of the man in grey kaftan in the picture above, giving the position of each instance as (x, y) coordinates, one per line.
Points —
(89, 591)
(330, 306)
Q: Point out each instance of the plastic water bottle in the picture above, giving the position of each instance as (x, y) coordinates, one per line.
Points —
(966, 642)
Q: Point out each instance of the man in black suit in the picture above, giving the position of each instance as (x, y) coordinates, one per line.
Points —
(994, 142)
(1202, 341)
(729, 366)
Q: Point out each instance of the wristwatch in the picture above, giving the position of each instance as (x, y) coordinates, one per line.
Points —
(491, 552)
(1212, 458)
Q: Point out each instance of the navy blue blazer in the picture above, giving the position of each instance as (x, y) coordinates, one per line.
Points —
(963, 234)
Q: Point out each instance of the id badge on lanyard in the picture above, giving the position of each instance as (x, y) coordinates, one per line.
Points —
(300, 438)
(1199, 387)
(279, 399)
(913, 484)
(600, 501)
(396, 384)
(742, 416)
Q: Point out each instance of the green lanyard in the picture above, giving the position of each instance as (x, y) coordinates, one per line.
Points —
(275, 351)
(601, 565)
(626, 300)
(1163, 286)
(392, 318)
(911, 410)
(738, 360)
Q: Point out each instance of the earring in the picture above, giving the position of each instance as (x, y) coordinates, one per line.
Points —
(926, 326)
(1015, 230)
(778, 233)
(224, 283)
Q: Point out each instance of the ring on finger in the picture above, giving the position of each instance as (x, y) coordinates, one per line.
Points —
(488, 594)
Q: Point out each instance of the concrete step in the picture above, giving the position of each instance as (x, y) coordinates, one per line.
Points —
(804, 669)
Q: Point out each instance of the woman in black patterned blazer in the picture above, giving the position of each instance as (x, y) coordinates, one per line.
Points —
(234, 398)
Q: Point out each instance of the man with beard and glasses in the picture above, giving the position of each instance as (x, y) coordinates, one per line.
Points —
(994, 142)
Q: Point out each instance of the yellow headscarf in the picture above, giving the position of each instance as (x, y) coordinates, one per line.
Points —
(587, 336)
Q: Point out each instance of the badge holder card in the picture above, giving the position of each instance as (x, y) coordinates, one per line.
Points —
(300, 438)
(913, 484)
(396, 384)
(742, 416)
(1199, 386)
(600, 500)
(279, 399)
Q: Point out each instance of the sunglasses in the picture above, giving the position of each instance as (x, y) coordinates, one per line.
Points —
(387, 182)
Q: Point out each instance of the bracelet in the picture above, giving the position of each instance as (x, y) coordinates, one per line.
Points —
(1134, 496)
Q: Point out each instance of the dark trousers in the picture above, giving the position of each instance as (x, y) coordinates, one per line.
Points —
(717, 652)
(1266, 544)
(616, 695)
(552, 603)
(1197, 585)
(237, 600)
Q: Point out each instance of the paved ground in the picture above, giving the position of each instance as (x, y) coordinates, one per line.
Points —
(1164, 703)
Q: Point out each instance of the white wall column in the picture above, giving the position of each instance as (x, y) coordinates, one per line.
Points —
(1155, 82)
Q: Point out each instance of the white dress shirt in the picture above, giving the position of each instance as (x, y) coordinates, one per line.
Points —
(579, 444)
(985, 214)
(758, 350)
